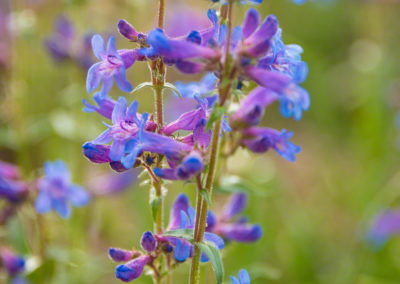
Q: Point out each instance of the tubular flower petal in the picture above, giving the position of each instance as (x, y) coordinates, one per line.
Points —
(265, 138)
(120, 255)
(132, 269)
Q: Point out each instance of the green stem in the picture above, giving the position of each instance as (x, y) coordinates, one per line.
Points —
(202, 206)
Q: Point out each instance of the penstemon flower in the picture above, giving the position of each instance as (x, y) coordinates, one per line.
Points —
(244, 277)
(187, 149)
(112, 66)
(233, 227)
(56, 190)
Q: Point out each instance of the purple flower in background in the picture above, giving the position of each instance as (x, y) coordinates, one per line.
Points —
(64, 44)
(56, 190)
(244, 277)
(385, 225)
(261, 139)
(112, 183)
(112, 66)
(232, 226)
(11, 262)
(12, 188)
(241, 1)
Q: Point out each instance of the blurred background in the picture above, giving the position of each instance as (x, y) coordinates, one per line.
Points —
(315, 212)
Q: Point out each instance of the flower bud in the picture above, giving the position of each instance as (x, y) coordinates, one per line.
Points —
(148, 242)
(12, 262)
(118, 254)
(127, 30)
(132, 269)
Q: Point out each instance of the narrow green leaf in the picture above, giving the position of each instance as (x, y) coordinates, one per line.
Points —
(215, 258)
(186, 234)
(142, 85)
(206, 196)
(172, 88)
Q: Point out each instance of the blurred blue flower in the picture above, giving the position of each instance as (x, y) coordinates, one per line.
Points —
(385, 225)
(56, 190)
(244, 277)
(13, 264)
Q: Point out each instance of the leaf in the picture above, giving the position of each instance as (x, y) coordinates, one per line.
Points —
(216, 113)
(206, 196)
(173, 89)
(186, 234)
(215, 258)
(142, 85)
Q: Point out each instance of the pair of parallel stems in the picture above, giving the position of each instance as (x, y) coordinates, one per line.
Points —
(158, 72)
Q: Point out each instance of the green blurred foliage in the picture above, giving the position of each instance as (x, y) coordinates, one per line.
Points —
(314, 212)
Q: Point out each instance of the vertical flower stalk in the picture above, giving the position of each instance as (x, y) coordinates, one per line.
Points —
(224, 89)
(158, 79)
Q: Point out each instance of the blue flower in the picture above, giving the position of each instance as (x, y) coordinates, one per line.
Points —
(231, 226)
(56, 190)
(105, 105)
(182, 217)
(112, 66)
(244, 277)
(261, 139)
(197, 89)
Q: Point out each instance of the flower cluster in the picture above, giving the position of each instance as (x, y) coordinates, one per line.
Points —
(234, 59)
(182, 217)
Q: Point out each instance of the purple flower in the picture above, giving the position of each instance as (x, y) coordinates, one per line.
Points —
(182, 217)
(56, 190)
(252, 107)
(12, 263)
(197, 89)
(191, 165)
(132, 269)
(112, 66)
(105, 105)
(260, 140)
(231, 226)
(125, 126)
(12, 188)
(244, 277)
(112, 183)
(148, 242)
(385, 225)
(64, 44)
(120, 255)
